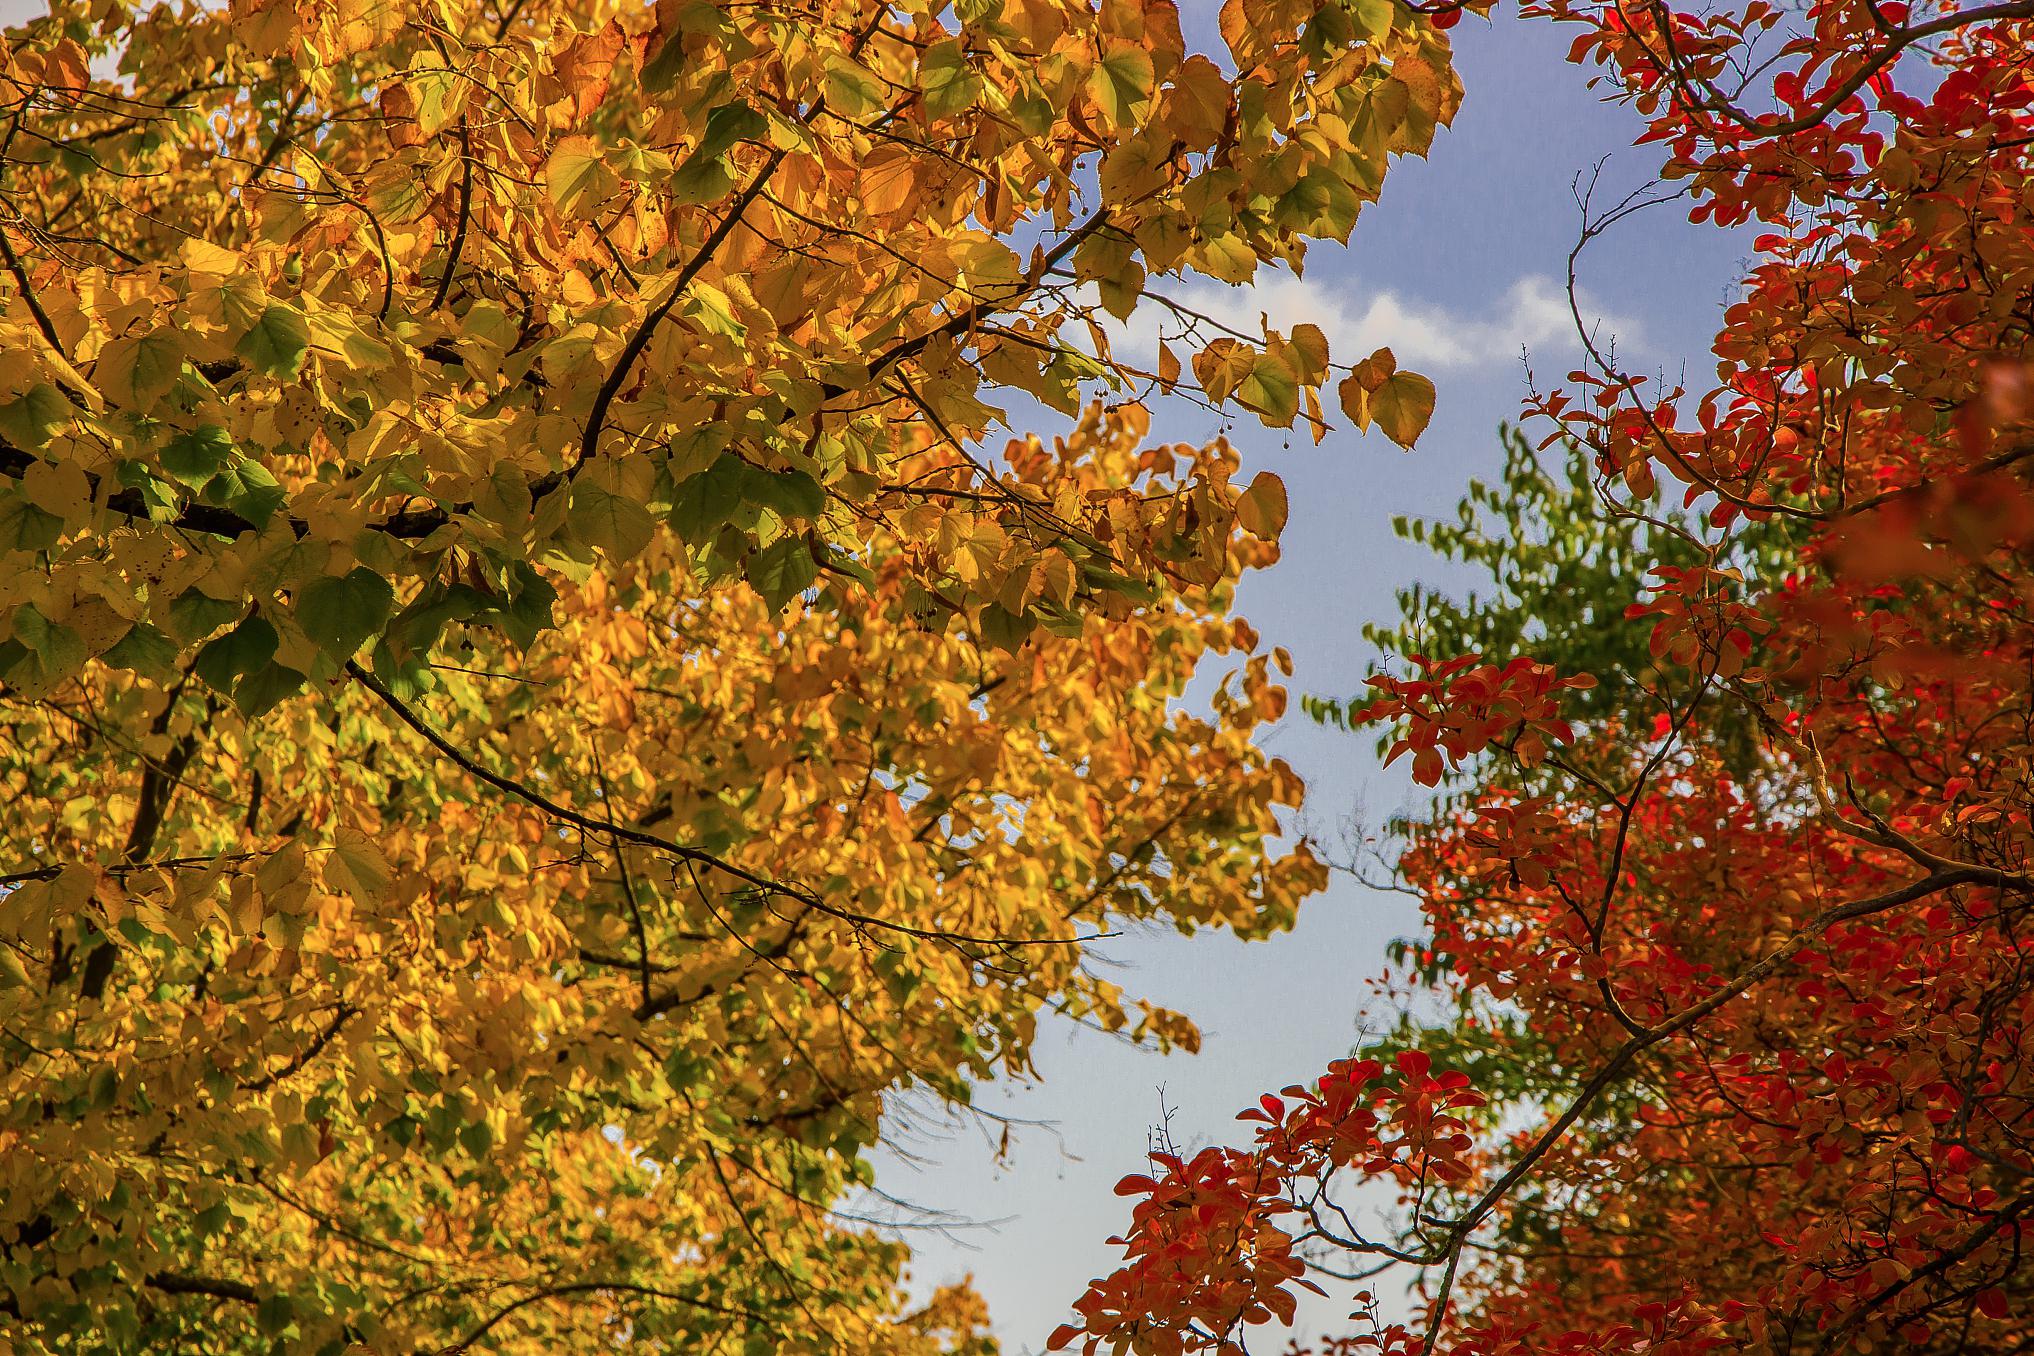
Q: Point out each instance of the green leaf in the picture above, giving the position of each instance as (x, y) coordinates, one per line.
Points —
(661, 70)
(246, 487)
(529, 611)
(1109, 581)
(266, 687)
(244, 649)
(701, 181)
(477, 1138)
(195, 457)
(146, 651)
(697, 16)
(1002, 629)
(1320, 204)
(1272, 390)
(704, 503)
(277, 343)
(341, 614)
(705, 175)
(24, 527)
(415, 629)
(409, 677)
(156, 495)
(196, 614)
(1228, 257)
(274, 1314)
(727, 125)
(793, 494)
(782, 571)
(51, 654)
(695, 449)
(618, 524)
(839, 562)
(30, 418)
(1373, 17)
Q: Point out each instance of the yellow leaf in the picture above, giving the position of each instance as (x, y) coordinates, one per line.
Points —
(1262, 508)
(1402, 405)
(1355, 401)
(357, 866)
(1168, 366)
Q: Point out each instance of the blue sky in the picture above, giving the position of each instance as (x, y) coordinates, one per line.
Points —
(1462, 263)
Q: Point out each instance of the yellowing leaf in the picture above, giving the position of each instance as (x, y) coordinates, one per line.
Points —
(440, 96)
(1271, 389)
(345, 337)
(949, 83)
(202, 256)
(1197, 104)
(1371, 372)
(1121, 83)
(1307, 351)
(31, 418)
(577, 178)
(137, 371)
(852, 90)
(643, 511)
(1223, 366)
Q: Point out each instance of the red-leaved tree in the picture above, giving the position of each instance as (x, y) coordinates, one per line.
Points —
(1741, 954)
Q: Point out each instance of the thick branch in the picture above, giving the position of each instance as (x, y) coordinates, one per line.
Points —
(175, 1283)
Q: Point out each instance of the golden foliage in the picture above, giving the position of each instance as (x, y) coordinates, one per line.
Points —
(527, 714)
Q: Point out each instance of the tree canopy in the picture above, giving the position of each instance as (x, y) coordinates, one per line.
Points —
(1726, 873)
(530, 711)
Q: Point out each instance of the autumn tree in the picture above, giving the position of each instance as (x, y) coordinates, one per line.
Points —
(532, 710)
(1735, 927)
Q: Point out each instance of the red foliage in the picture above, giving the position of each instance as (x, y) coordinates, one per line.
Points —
(1761, 1010)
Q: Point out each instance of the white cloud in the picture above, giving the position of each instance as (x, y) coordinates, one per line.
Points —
(1531, 315)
